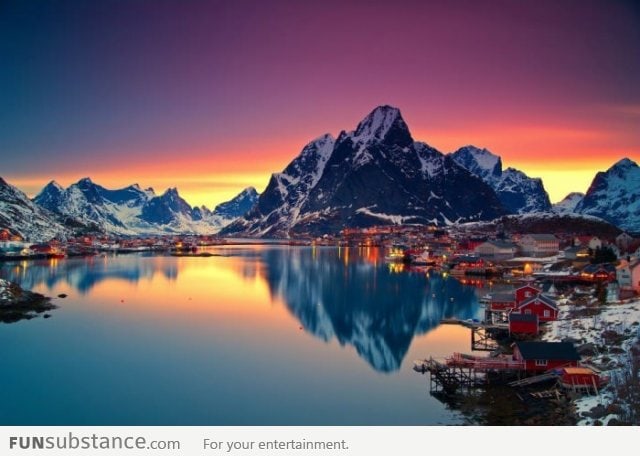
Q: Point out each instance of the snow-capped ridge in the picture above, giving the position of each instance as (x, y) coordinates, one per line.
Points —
(20, 215)
(54, 185)
(625, 163)
(568, 203)
(482, 161)
(384, 122)
(518, 192)
(614, 195)
(129, 210)
(237, 206)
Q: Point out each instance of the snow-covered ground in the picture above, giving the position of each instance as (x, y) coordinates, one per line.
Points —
(611, 332)
(5, 293)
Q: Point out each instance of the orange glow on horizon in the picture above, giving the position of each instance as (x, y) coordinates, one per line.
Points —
(206, 287)
(565, 158)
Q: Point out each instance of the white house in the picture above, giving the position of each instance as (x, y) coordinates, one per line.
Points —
(623, 241)
(590, 242)
(539, 245)
(496, 250)
(623, 274)
(628, 275)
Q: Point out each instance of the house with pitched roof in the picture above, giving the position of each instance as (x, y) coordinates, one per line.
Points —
(539, 245)
(542, 356)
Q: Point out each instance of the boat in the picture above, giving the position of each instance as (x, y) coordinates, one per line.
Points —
(423, 259)
(397, 254)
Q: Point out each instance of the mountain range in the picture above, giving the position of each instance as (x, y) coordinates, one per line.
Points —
(518, 193)
(376, 174)
(86, 207)
(22, 216)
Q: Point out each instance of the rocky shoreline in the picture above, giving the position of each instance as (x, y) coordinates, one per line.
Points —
(17, 304)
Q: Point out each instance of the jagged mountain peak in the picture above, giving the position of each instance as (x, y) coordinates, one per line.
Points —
(383, 123)
(85, 181)
(54, 185)
(375, 174)
(249, 191)
(237, 206)
(568, 203)
(518, 192)
(171, 192)
(624, 163)
(322, 145)
(50, 196)
(614, 195)
(20, 215)
(619, 170)
(321, 140)
(481, 162)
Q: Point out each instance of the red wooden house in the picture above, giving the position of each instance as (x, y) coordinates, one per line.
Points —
(543, 306)
(599, 272)
(502, 302)
(523, 324)
(526, 292)
(542, 356)
(511, 300)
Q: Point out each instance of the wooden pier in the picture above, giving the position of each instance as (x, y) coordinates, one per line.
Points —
(471, 324)
(465, 372)
(448, 379)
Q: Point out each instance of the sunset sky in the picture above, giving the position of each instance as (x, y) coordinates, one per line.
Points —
(213, 96)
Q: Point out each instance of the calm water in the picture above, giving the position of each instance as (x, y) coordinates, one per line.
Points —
(257, 335)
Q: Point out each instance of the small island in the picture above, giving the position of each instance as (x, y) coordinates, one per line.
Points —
(18, 304)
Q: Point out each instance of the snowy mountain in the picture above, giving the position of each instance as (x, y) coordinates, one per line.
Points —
(166, 209)
(569, 203)
(130, 210)
(614, 195)
(19, 215)
(518, 192)
(374, 175)
(238, 206)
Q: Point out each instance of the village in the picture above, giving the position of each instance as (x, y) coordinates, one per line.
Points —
(561, 320)
(14, 247)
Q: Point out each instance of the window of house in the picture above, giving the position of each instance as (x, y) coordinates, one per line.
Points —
(547, 313)
(527, 311)
(541, 362)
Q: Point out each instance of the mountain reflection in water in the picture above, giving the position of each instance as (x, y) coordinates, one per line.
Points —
(83, 274)
(344, 293)
(375, 307)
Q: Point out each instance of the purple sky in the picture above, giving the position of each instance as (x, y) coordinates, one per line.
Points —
(213, 96)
